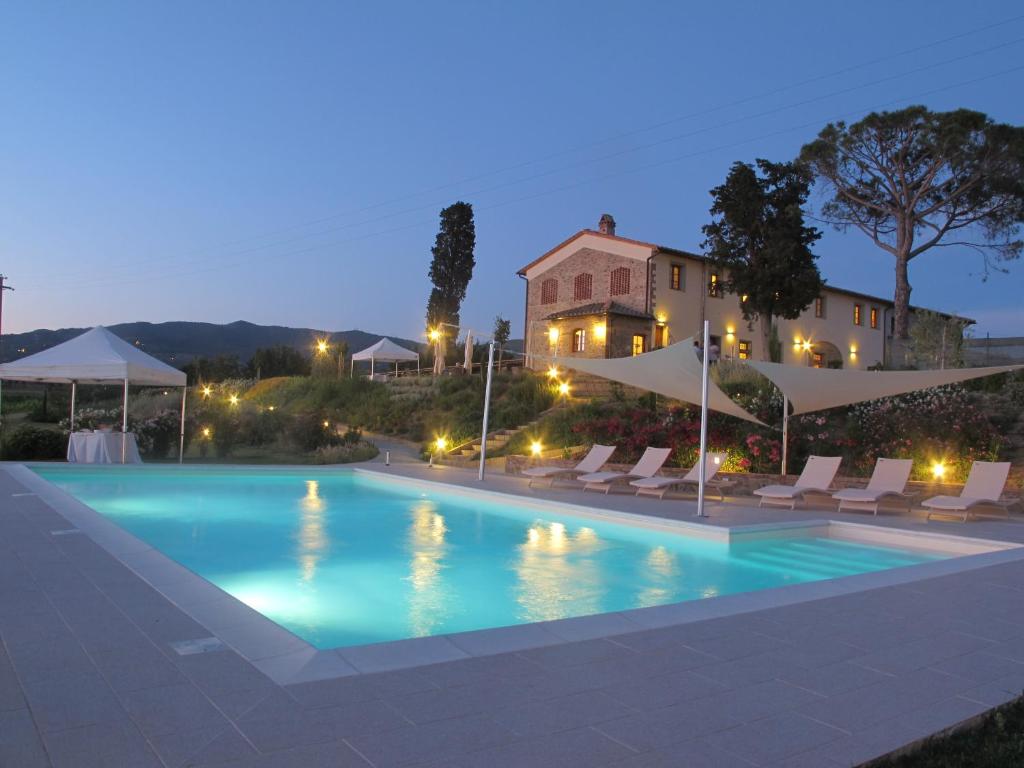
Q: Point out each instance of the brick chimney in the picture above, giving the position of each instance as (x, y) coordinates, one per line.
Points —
(606, 226)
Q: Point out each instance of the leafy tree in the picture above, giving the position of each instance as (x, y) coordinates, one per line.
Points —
(759, 243)
(330, 363)
(213, 369)
(280, 360)
(913, 180)
(937, 340)
(452, 265)
(502, 331)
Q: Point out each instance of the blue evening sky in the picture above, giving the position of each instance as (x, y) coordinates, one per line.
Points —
(285, 162)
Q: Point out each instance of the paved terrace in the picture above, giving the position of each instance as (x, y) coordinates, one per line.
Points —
(89, 676)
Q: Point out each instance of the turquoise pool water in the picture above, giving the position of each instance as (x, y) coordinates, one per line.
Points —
(342, 559)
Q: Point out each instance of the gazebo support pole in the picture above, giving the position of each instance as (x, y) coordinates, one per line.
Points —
(124, 426)
(785, 435)
(181, 437)
(352, 369)
(72, 418)
(702, 459)
(487, 410)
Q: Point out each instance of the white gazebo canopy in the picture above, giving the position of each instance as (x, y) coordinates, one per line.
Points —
(385, 351)
(674, 371)
(98, 357)
(95, 357)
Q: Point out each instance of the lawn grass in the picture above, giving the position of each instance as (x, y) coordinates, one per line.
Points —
(996, 742)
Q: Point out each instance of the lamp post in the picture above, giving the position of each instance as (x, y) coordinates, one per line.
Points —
(702, 459)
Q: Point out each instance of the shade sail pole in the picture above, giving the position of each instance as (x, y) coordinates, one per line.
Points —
(124, 425)
(785, 434)
(181, 437)
(702, 459)
(487, 410)
(72, 418)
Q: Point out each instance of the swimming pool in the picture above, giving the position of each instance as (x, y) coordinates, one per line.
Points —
(342, 558)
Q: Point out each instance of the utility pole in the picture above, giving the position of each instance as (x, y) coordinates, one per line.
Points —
(3, 288)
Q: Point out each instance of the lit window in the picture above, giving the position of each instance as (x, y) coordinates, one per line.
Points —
(677, 281)
(579, 340)
(818, 360)
(639, 344)
(549, 291)
(874, 317)
(743, 350)
(713, 287)
(583, 287)
(619, 282)
(819, 306)
(857, 320)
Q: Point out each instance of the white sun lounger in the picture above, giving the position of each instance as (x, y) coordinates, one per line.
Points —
(593, 461)
(888, 480)
(648, 466)
(816, 478)
(659, 486)
(984, 486)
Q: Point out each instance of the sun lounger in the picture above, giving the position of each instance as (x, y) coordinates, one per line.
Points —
(816, 478)
(593, 461)
(888, 480)
(648, 466)
(659, 486)
(984, 486)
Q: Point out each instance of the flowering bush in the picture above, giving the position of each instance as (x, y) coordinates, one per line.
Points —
(943, 424)
(632, 429)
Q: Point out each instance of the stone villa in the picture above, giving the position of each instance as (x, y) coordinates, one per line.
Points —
(601, 295)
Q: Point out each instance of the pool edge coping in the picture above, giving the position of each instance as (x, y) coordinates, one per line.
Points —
(287, 659)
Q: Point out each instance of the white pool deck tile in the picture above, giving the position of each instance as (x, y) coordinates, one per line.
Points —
(822, 674)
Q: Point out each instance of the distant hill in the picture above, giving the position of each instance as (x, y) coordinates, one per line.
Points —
(177, 343)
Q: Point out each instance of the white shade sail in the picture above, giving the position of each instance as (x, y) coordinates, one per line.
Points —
(673, 371)
(386, 351)
(815, 389)
(95, 357)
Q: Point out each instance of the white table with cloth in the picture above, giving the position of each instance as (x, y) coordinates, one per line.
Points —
(102, 448)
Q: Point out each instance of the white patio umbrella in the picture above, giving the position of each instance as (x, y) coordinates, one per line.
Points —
(439, 355)
(467, 362)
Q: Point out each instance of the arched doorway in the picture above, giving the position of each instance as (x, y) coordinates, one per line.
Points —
(824, 354)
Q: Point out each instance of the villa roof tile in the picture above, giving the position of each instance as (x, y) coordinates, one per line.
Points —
(599, 308)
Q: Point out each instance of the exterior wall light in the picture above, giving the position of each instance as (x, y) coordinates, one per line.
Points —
(600, 331)
(553, 335)
(536, 448)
